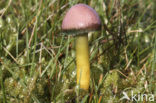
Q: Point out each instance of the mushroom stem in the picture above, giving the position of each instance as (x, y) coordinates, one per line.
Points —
(82, 61)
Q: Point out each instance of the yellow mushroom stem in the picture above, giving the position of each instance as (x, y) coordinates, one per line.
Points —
(82, 61)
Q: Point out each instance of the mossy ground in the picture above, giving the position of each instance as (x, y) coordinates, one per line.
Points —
(37, 62)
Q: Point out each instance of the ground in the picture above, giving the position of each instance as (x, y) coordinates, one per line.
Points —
(37, 61)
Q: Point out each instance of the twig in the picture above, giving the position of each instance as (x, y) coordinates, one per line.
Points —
(38, 13)
(5, 9)
(128, 64)
(141, 70)
(122, 74)
(10, 55)
(40, 60)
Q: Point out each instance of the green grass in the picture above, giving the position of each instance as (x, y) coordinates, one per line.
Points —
(37, 62)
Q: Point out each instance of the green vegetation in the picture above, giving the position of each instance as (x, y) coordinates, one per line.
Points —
(37, 62)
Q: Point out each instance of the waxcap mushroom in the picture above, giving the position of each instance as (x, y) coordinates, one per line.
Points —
(80, 18)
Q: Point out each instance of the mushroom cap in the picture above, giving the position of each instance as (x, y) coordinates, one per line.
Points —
(81, 18)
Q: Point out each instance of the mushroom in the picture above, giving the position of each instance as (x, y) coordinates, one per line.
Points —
(78, 21)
